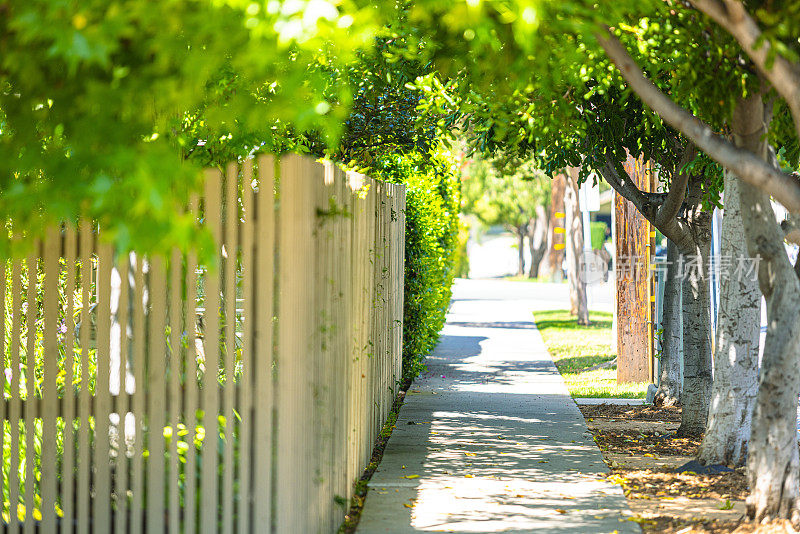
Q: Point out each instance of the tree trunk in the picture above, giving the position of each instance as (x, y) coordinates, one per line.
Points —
(772, 463)
(695, 248)
(696, 344)
(521, 231)
(669, 388)
(537, 240)
(736, 356)
(574, 238)
(773, 460)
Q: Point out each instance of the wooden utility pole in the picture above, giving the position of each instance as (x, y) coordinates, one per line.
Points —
(551, 266)
(634, 327)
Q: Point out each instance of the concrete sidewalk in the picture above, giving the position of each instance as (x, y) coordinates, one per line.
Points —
(489, 439)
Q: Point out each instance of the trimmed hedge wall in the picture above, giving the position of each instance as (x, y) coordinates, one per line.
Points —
(432, 228)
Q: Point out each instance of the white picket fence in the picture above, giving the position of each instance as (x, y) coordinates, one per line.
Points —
(158, 395)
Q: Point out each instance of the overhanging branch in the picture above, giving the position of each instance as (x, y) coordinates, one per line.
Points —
(781, 73)
(783, 187)
(677, 188)
(641, 201)
(624, 186)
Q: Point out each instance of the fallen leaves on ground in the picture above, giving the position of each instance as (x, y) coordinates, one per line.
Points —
(647, 439)
(650, 484)
(645, 443)
(632, 412)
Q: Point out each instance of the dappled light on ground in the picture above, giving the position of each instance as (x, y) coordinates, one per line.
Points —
(489, 439)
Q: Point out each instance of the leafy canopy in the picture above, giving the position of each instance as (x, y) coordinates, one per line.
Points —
(102, 101)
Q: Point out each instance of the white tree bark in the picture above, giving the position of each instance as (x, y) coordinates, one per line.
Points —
(574, 239)
(773, 460)
(537, 239)
(520, 232)
(696, 308)
(671, 381)
(772, 463)
(736, 356)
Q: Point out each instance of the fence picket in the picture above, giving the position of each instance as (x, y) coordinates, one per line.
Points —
(102, 508)
(138, 401)
(156, 394)
(325, 217)
(341, 277)
(248, 346)
(344, 276)
(30, 388)
(86, 239)
(190, 412)
(174, 395)
(293, 309)
(67, 472)
(264, 282)
(231, 211)
(52, 252)
(120, 344)
(211, 304)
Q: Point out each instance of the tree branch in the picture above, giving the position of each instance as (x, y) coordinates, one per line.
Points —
(781, 73)
(677, 188)
(783, 187)
(640, 200)
(624, 187)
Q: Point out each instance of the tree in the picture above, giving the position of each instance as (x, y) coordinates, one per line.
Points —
(671, 382)
(538, 229)
(773, 458)
(508, 191)
(736, 357)
(591, 123)
(573, 230)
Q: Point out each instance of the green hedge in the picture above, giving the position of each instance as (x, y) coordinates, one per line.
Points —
(432, 228)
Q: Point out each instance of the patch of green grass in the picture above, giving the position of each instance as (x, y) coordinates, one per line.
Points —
(575, 349)
(602, 383)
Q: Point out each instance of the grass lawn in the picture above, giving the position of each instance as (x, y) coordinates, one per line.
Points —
(577, 348)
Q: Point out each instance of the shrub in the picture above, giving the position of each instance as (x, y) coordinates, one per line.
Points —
(598, 229)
